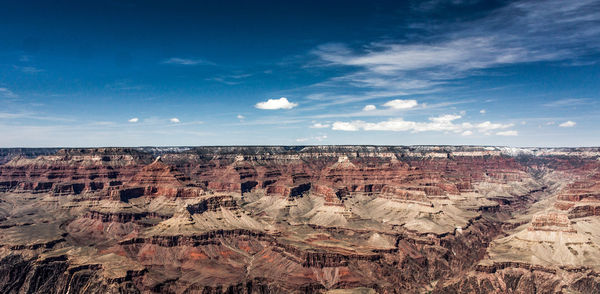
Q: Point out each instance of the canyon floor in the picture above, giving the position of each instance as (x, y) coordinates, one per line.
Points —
(316, 219)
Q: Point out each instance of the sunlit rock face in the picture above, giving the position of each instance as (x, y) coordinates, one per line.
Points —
(338, 219)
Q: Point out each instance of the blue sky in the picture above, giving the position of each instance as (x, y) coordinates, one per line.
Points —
(138, 73)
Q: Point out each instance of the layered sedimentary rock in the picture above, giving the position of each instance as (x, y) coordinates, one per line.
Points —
(321, 219)
(552, 247)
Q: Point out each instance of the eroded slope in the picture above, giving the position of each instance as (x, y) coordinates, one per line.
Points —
(313, 219)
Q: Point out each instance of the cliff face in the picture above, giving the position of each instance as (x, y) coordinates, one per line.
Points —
(299, 219)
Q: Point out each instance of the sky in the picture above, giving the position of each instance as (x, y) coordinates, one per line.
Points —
(188, 73)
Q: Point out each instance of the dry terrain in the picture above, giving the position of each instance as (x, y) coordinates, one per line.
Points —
(321, 219)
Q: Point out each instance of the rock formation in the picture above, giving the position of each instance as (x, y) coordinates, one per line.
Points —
(320, 219)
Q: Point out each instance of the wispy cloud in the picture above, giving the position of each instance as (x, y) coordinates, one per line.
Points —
(455, 55)
(568, 102)
(488, 126)
(28, 69)
(319, 126)
(224, 81)
(391, 111)
(5, 92)
(520, 32)
(347, 94)
(315, 138)
(271, 120)
(133, 120)
(507, 133)
(186, 61)
(123, 85)
(159, 122)
(8, 115)
(33, 116)
(104, 123)
(231, 79)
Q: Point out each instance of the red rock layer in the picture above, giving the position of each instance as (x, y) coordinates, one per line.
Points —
(119, 176)
(283, 256)
(581, 198)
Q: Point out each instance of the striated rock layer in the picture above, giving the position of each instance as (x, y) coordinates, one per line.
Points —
(319, 219)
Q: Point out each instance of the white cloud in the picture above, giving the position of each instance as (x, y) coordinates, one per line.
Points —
(401, 104)
(482, 111)
(369, 107)
(347, 126)
(133, 120)
(567, 124)
(185, 61)
(507, 133)
(319, 126)
(272, 104)
(301, 139)
(445, 118)
(239, 116)
(390, 125)
(174, 120)
(443, 123)
(489, 126)
(550, 123)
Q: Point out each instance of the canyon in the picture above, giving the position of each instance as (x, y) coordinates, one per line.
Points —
(300, 219)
